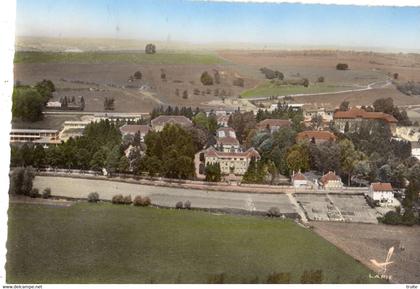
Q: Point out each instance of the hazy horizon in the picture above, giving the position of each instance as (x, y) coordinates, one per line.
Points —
(225, 24)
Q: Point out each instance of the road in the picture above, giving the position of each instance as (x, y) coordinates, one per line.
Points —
(373, 85)
(164, 196)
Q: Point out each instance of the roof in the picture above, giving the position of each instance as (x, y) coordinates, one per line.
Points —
(177, 119)
(222, 118)
(316, 134)
(227, 141)
(330, 176)
(361, 113)
(134, 128)
(298, 177)
(212, 152)
(377, 187)
(271, 122)
(18, 130)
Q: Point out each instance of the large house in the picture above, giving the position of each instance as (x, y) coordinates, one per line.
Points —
(381, 192)
(132, 129)
(159, 122)
(230, 162)
(331, 181)
(36, 136)
(315, 136)
(226, 140)
(273, 125)
(354, 116)
(299, 180)
(325, 112)
(222, 120)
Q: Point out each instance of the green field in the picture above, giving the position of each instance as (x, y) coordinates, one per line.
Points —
(105, 243)
(272, 89)
(116, 57)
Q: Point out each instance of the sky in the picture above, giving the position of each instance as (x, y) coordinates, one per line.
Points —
(204, 22)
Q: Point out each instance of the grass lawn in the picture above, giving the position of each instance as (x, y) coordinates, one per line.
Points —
(105, 243)
(272, 89)
(116, 57)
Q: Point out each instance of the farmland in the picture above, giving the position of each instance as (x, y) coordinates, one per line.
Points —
(116, 57)
(104, 243)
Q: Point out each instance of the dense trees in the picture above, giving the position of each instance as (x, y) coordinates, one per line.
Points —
(28, 104)
(242, 123)
(271, 74)
(21, 181)
(169, 110)
(170, 152)
(386, 105)
(298, 158)
(283, 111)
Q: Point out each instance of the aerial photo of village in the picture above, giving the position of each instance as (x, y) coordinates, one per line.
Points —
(179, 142)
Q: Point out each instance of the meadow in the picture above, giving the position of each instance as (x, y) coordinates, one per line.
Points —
(116, 57)
(105, 243)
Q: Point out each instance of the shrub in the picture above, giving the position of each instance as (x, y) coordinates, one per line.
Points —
(321, 79)
(118, 199)
(140, 201)
(311, 277)
(216, 279)
(391, 218)
(278, 278)
(342, 66)
(185, 94)
(187, 205)
(273, 212)
(93, 197)
(34, 193)
(46, 193)
(305, 82)
(179, 205)
(239, 82)
(150, 48)
(137, 75)
(408, 218)
(127, 200)
(206, 78)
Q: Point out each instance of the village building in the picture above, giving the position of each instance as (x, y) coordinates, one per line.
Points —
(36, 136)
(226, 140)
(132, 129)
(310, 111)
(272, 125)
(350, 119)
(330, 181)
(159, 122)
(382, 193)
(235, 163)
(299, 180)
(315, 136)
(119, 116)
(415, 149)
(53, 104)
(222, 120)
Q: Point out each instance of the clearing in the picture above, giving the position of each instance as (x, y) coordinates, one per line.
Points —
(105, 243)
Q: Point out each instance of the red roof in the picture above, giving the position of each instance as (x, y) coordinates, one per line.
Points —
(377, 187)
(271, 122)
(177, 119)
(134, 128)
(212, 152)
(298, 177)
(330, 176)
(316, 134)
(227, 141)
(361, 113)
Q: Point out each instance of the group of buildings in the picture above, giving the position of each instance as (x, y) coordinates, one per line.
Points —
(227, 151)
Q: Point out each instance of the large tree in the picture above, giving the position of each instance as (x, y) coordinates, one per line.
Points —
(27, 104)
